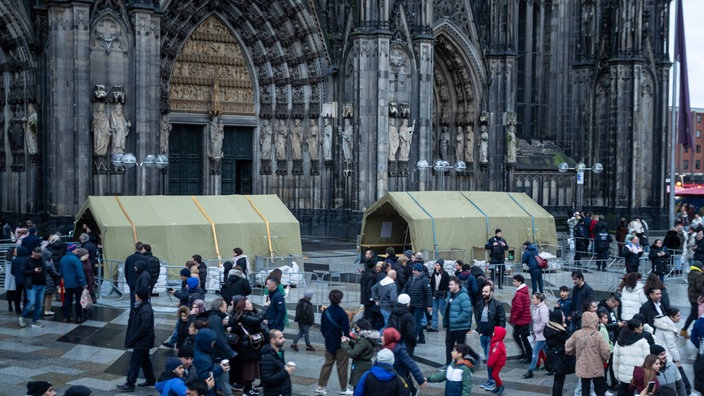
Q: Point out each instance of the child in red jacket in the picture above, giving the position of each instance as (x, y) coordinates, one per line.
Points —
(497, 358)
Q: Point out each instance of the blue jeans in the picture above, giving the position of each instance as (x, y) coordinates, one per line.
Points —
(439, 305)
(418, 314)
(539, 345)
(485, 341)
(536, 279)
(385, 314)
(35, 302)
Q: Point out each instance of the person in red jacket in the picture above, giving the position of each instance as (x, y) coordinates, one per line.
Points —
(520, 317)
(497, 358)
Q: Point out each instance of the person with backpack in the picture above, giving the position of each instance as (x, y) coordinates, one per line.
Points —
(402, 320)
(480, 277)
(536, 273)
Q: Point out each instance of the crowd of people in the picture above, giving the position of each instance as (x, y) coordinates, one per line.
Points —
(625, 343)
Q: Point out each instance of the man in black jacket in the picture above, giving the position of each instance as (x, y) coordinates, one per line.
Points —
(34, 271)
(275, 374)
(581, 293)
(653, 307)
(367, 280)
(489, 314)
(418, 288)
(153, 266)
(130, 265)
(497, 246)
(140, 337)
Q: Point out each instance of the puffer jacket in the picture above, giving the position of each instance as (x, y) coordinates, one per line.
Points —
(458, 377)
(402, 320)
(459, 311)
(237, 284)
(497, 349)
(556, 336)
(418, 288)
(631, 301)
(274, 378)
(528, 257)
(695, 283)
(520, 307)
(540, 319)
(630, 351)
(590, 348)
(665, 334)
(361, 351)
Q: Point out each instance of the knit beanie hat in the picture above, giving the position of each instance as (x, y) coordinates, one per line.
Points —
(418, 267)
(385, 356)
(37, 388)
(78, 390)
(143, 294)
(656, 349)
(390, 250)
(171, 364)
(404, 298)
(308, 294)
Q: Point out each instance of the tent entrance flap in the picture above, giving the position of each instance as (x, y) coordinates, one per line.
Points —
(386, 228)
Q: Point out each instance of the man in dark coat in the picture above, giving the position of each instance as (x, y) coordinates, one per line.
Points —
(652, 308)
(580, 294)
(140, 337)
(143, 279)
(277, 307)
(237, 284)
(34, 271)
(497, 247)
(87, 243)
(275, 374)
(367, 280)
(402, 320)
(31, 241)
(153, 266)
(130, 265)
(418, 288)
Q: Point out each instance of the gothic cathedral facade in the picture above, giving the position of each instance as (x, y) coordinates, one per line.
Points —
(329, 104)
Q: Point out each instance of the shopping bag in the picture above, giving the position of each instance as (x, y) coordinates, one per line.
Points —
(86, 300)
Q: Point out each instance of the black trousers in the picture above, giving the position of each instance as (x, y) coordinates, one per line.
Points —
(692, 316)
(452, 338)
(140, 359)
(520, 334)
(558, 384)
(599, 386)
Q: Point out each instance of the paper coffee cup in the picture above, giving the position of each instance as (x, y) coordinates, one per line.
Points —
(291, 364)
(225, 362)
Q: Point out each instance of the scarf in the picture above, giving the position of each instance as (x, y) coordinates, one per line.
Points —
(556, 326)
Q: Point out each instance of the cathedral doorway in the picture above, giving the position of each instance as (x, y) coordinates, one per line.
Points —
(237, 161)
(186, 160)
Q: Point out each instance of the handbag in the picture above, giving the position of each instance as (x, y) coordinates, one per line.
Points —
(255, 340)
(86, 300)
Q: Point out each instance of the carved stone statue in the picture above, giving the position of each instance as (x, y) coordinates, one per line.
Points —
(444, 143)
(459, 144)
(347, 140)
(297, 140)
(511, 143)
(217, 133)
(16, 134)
(327, 140)
(313, 139)
(484, 145)
(165, 129)
(280, 144)
(101, 131)
(469, 145)
(120, 129)
(405, 134)
(393, 138)
(30, 130)
(99, 93)
(265, 139)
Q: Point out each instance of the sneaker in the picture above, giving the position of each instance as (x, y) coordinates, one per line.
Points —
(294, 347)
(167, 344)
(443, 368)
(320, 391)
(37, 324)
(499, 390)
(490, 387)
(347, 391)
(48, 313)
(22, 322)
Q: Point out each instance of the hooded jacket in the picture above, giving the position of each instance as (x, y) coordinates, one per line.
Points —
(385, 293)
(203, 355)
(361, 351)
(590, 348)
(630, 351)
(458, 377)
(381, 379)
(631, 301)
(540, 317)
(459, 311)
(140, 327)
(666, 335)
(274, 378)
(497, 349)
(520, 307)
(237, 284)
(695, 284)
(72, 271)
(143, 279)
(528, 257)
(556, 336)
(17, 263)
(170, 384)
(402, 320)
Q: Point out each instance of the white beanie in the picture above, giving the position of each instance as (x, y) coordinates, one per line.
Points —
(385, 356)
(404, 298)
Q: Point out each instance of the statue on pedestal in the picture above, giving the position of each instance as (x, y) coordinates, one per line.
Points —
(312, 139)
(327, 140)
(265, 139)
(217, 134)
(459, 144)
(101, 131)
(347, 140)
(405, 138)
(297, 140)
(280, 144)
(484, 145)
(394, 139)
(120, 129)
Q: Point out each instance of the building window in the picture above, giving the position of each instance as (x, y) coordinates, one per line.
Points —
(699, 148)
(686, 149)
(685, 164)
(698, 164)
(699, 118)
(699, 133)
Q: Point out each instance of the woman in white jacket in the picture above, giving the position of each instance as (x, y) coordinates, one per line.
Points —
(666, 333)
(632, 295)
(630, 351)
(540, 317)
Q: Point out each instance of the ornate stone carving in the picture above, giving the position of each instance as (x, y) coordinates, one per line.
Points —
(99, 93)
(15, 134)
(347, 137)
(109, 36)
(405, 139)
(313, 139)
(511, 139)
(117, 94)
(164, 132)
(101, 131)
(216, 134)
(120, 128)
(280, 142)
(211, 66)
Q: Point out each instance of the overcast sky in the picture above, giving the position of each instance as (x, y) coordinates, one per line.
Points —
(694, 33)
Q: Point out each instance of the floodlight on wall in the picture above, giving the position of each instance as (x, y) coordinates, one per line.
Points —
(128, 160)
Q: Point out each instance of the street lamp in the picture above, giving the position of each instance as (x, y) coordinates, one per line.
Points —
(441, 166)
(580, 168)
(128, 160)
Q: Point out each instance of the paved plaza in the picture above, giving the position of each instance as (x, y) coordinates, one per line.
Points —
(92, 353)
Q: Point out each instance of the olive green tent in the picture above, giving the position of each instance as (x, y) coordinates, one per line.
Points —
(178, 227)
(439, 222)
